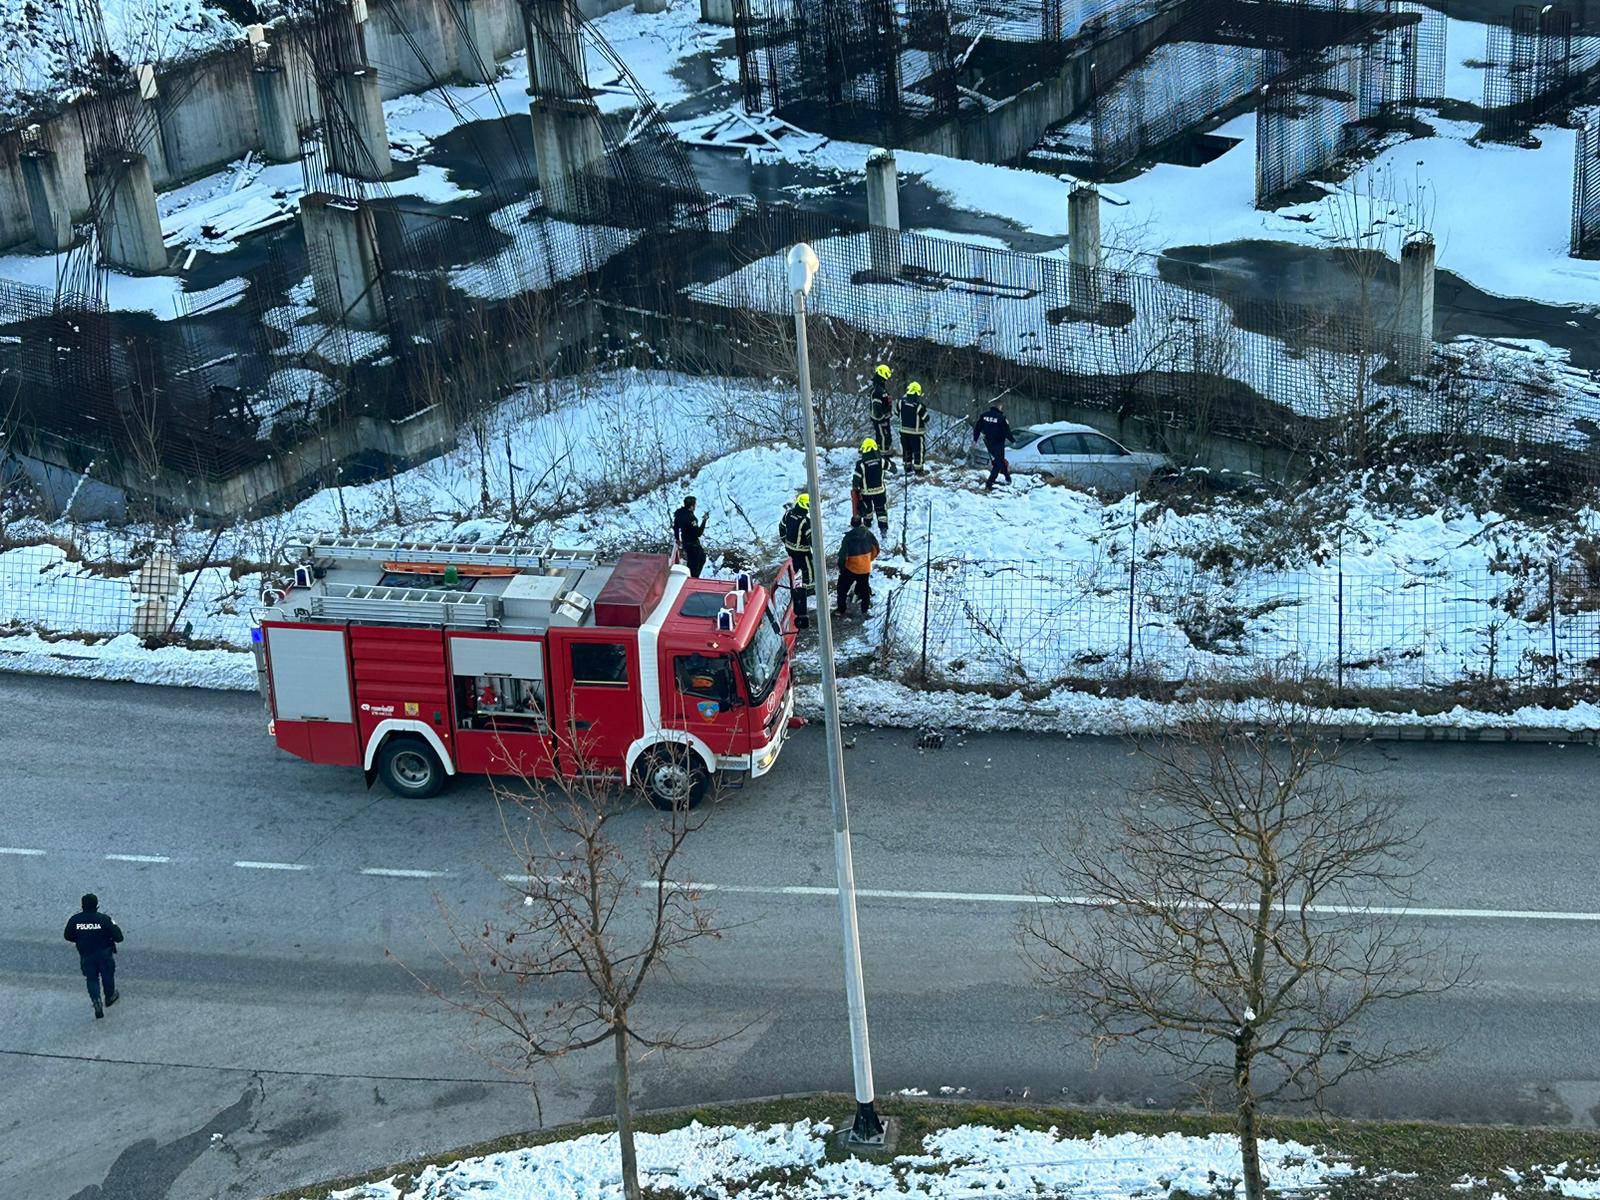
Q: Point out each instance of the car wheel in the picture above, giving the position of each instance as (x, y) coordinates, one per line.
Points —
(673, 777)
(410, 769)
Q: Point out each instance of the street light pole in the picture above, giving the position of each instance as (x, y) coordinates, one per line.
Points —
(868, 1128)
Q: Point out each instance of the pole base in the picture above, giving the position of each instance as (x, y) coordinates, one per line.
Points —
(867, 1131)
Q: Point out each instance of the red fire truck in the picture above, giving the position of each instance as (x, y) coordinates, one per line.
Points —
(420, 661)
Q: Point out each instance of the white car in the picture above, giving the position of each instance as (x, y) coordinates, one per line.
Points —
(1082, 456)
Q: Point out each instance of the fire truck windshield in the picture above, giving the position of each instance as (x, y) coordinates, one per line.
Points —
(762, 659)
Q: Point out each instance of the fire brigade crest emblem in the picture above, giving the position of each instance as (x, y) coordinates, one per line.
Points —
(709, 709)
(411, 708)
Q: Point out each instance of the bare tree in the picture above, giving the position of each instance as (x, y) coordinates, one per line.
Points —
(1239, 917)
(585, 927)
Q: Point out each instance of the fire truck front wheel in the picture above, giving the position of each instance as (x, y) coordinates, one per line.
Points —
(672, 777)
(410, 769)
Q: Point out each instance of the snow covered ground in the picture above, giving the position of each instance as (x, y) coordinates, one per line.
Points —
(603, 462)
(721, 1163)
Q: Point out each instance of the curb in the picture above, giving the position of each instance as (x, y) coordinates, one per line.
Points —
(1459, 733)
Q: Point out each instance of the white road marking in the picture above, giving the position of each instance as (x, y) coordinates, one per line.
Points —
(397, 873)
(1018, 898)
(270, 866)
(20, 850)
(140, 858)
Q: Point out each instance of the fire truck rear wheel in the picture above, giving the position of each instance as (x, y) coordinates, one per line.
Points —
(409, 768)
(673, 777)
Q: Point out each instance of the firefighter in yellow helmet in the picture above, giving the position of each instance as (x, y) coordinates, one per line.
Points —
(794, 531)
(868, 491)
(913, 427)
(882, 408)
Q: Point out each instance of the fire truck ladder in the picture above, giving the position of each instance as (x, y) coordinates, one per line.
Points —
(445, 554)
(405, 606)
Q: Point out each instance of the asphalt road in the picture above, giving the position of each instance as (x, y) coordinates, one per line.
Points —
(266, 1040)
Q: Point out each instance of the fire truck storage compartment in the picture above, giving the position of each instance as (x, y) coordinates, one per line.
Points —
(636, 585)
(311, 692)
(499, 682)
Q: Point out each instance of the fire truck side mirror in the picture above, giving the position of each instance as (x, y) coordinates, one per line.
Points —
(270, 597)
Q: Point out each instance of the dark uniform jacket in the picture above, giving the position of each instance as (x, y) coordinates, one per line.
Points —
(995, 431)
(795, 530)
(882, 405)
(913, 415)
(93, 933)
(687, 528)
(868, 479)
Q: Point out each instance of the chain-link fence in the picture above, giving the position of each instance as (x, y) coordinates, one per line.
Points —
(45, 591)
(1118, 617)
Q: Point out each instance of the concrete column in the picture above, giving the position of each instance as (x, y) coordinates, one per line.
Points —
(276, 106)
(148, 127)
(1083, 247)
(47, 202)
(555, 50)
(475, 41)
(342, 244)
(717, 12)
(883, 213)
(566, 141)
(129, 228)
(358, 139)
(1416, 302)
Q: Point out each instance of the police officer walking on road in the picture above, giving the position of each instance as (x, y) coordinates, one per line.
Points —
(995, 431)
(867, 486)
(96, 935)
(913, 427)
(686, 531)
(882, 408)
(795, 533)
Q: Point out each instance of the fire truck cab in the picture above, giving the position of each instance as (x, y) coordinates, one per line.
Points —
(420, 661)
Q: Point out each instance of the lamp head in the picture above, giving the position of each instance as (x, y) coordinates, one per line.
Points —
(803, 264)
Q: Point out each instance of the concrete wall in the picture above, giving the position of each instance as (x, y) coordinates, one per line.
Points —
(1012, 129)
(210, 118)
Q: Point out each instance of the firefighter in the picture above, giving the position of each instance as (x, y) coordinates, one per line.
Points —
(868, 492)
(913, 427)
(96, 936)
(882, 408)
(686, 531)
(857, 552)
(995, 431)
(795, 533)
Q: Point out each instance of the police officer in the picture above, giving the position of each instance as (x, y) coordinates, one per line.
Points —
(882, 408)
(857, 552)
(913, 426)
(867, 487)
(96, 935)
(686, 531)
(794, 530)
(995, 431)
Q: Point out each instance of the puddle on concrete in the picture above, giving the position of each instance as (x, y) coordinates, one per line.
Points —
(1281, 271)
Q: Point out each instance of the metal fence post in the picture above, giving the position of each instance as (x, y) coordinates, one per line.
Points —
(1133, 539)
(927, 594)
(1339, 650)
(1555, 656)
